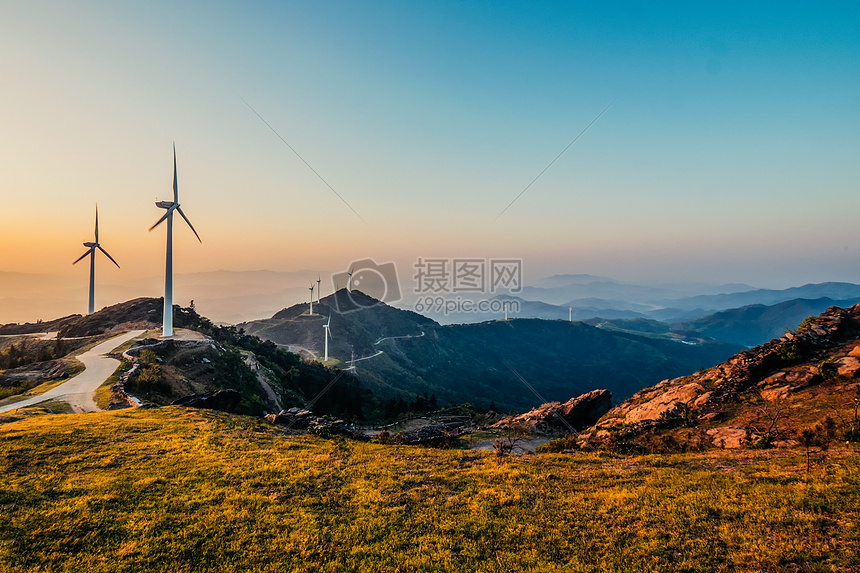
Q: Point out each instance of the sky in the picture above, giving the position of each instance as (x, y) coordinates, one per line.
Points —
(728, 152)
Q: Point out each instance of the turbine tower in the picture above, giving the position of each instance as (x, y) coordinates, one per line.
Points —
(311, 311)
(327, 336)
(171, 206)
(92, 253)
(319, 279)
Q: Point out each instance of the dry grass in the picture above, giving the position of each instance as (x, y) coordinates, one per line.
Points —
(184, 490)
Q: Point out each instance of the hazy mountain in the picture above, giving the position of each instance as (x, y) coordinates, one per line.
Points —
(567, 289)
(401, 353)
(834, 290)
(756, 324)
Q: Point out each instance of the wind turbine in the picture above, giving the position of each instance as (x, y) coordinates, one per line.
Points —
(570, 314)
(319, 279)
(311, 311)
(92, 253)
(171, 206)
(327, 336)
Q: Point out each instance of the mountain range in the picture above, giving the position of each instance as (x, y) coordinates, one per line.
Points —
(514, 364)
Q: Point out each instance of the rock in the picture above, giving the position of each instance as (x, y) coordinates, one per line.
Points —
(554, 417)
(223, 400)
(703, 399)
(710, 417)
(728, 438)
(848, 366)
(775, 393)
(652, 409)
(299, 419)
(855, 351)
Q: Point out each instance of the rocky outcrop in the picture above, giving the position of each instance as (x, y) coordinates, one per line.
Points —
(305, 420)
(823, 349)
(556, 418)
(223, 400)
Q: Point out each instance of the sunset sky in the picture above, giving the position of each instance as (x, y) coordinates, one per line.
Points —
(732, 153)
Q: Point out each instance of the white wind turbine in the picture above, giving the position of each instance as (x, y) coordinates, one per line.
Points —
(92, 253)
(327, 326)
(311, 311)
(319, 279)
(171, 206)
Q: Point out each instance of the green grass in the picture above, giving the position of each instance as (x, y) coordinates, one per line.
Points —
(183, 490)
(102, 396)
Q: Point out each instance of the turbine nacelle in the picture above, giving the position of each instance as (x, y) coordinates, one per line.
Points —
(166, 204)
(91, 245)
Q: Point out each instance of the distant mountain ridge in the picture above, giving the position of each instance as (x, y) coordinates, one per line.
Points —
(613, 300)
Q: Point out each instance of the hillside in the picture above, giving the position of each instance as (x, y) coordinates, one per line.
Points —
(756, 324)
(175, 489)
(220, 358)
(769, 395)
(403, 354)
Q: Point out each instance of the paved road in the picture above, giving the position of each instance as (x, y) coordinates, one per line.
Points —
(78, 391)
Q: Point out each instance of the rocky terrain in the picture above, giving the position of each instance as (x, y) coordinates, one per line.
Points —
(556, 418)
(760, 397)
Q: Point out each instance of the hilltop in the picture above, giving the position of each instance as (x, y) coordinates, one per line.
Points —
(765, 396)
(218, 358)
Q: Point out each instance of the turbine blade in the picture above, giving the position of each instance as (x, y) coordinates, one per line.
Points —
(108, 256)
(90, 250)
(175, 184)
(329, 321)
(163, 217)
(189, 223)
(97, 222)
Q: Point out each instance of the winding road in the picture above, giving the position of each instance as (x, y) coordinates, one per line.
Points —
(78, 391)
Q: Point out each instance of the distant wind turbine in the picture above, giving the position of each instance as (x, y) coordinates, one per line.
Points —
(311, 311)
(319, 279)
(171, 206)
(570, 313)
(92, 253)
(327, 326)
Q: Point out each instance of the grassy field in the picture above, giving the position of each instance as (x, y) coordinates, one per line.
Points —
(183, 490)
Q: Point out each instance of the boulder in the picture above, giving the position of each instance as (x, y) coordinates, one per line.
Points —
(848, 366)
(555, 417)
(223, 400)
(652, 409)
(728, 438)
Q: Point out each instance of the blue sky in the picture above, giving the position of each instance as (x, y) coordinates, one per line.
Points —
(730, 154)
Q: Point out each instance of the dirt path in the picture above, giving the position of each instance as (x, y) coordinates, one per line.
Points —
(252, 363)
(78, 391)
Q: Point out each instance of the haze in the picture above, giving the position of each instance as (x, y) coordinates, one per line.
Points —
(730, 155)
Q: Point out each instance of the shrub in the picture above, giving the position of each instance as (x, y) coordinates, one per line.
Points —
(828, 369)
(680, 415)
(805, 323)
(790, 352)
(558, 445)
